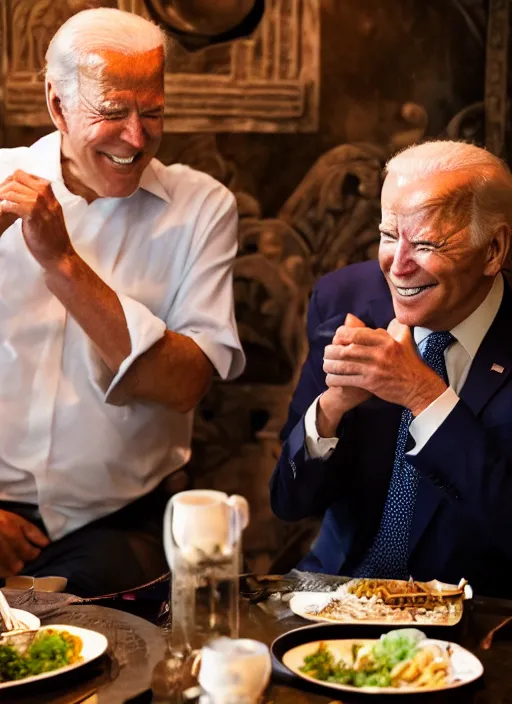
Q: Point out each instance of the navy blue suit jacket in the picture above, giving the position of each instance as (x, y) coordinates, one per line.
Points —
(462, 525)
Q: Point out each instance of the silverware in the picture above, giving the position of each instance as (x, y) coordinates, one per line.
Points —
(486, 642)
(9, 620)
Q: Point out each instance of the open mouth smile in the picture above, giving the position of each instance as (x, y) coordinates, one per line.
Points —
(409, 292)
(123, 161)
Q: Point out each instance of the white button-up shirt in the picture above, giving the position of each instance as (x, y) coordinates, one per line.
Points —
(458, 358)
(167, 251)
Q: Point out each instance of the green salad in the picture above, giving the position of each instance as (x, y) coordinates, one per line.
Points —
(371, 666)
(49, 650)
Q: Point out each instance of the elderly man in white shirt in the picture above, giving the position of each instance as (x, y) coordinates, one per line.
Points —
(116, 310)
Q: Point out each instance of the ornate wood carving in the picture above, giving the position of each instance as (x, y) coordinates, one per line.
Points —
(496, 77)
(2, 43)
(268, 82)
(335, 209)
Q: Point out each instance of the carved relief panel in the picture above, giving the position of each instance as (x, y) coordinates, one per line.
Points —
(268, 82)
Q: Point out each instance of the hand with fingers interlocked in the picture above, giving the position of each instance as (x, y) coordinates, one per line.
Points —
(385, 363)
(339, 398)
(32, 199)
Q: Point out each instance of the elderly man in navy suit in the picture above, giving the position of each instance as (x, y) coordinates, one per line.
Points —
(400, 429)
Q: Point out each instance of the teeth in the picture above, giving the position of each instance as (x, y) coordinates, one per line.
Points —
(410, 291)
(120, 160)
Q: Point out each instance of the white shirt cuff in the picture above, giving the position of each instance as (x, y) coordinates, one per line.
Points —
(318, 448)
(425, 425)
(144, 329)
(225, 354)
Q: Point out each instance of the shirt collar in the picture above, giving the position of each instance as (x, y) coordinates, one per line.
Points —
(151, 182)
(474, 328)
(46, 158)
(46, 164)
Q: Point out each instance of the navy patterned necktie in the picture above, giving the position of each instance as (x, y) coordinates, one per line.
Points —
(388, 556)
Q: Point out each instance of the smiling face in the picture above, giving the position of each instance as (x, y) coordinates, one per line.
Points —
(436, 274)
(114, 130)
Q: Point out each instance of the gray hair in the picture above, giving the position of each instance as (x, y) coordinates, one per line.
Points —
(490, 180)
(90, 31)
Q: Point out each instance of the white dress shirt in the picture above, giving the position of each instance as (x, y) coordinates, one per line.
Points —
(458, 358)
(167, 251)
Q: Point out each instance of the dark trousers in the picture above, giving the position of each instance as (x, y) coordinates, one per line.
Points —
(114, 553)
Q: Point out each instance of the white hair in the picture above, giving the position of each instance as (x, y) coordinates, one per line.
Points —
(90, 31)
(490, 181)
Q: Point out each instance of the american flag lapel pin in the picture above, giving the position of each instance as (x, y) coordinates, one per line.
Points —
(497, 368)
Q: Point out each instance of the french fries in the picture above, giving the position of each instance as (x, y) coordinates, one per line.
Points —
(430, 667)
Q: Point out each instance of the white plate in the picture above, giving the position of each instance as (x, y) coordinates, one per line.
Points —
(93, 645)
(30, 621)
(466, 667)
(304, 604)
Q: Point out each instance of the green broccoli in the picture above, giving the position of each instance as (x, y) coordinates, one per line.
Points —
(49, 651)
(12, 665)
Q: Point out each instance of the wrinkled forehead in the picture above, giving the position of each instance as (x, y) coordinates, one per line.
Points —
(445, 195)
(115, 70)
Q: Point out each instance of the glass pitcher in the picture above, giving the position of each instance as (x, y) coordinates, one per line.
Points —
(202, 541)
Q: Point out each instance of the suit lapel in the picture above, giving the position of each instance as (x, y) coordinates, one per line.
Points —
(493, 361)
(482, 384)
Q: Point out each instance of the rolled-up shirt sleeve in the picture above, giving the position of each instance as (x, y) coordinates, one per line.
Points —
(426, 423)
(203, 307)
(144, 329)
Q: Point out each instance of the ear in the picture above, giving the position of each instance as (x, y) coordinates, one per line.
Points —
(55, 108)
(497, 250)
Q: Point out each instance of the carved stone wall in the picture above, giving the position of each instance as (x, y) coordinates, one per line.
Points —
(298, 121)
(266, 83)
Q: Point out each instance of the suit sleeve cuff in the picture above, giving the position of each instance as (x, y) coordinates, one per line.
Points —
(430, 420)
(144, 329)
(318, 448)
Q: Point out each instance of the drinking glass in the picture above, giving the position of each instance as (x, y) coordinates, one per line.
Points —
(202, 541)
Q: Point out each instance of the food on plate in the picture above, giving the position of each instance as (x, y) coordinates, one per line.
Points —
(403, 593)
(34, 652)
(402, 658)
(392, 601)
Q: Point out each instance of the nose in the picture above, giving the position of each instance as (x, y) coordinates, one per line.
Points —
(403, 263)
(133, 132)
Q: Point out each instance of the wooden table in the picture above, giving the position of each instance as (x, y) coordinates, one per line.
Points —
(480, 617)
(137, 645)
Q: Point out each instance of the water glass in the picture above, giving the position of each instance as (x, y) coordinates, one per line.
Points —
(202, 541)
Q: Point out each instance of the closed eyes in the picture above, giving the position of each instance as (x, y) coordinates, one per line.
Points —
(388, 235)
(421, 245)
(123, 114)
